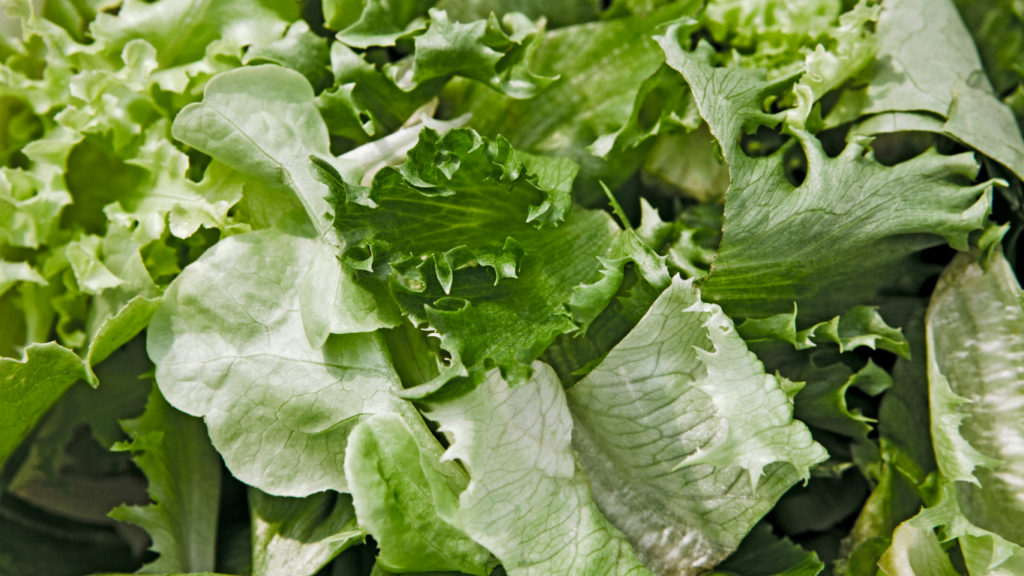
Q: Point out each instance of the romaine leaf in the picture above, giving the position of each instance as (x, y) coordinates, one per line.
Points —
(229, 345)
(781, 243)
(398, 493)
(682, 391)
(974, 362)
(183, 471)
(528, 501)
(915, 551)
(298, 536)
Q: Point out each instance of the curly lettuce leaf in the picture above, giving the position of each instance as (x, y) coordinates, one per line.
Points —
(974, 350)
(682, 391)
(298, 536)
(459, 198)
(183, 472)
(780, 242)
(528, 501)
(612, 59)
(860, 326)
(362, 24)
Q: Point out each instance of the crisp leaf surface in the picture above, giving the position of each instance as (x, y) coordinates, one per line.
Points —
(682, 388)
(976, 379)
(264, 391)
(528, 501)
(849, 217)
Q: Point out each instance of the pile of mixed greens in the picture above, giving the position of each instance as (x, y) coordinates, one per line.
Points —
(353, 287)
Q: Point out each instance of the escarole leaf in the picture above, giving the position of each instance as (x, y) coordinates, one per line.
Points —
(975, 369)
(262, 121)
(183, 472)
(686, 440)
(849, 217)
(279, 411)
(298, 536)
(401, 499)
(528, 501)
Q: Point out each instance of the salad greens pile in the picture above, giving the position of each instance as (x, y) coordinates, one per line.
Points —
(640, 287)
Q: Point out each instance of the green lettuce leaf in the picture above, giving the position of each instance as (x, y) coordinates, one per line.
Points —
(262, 133)
(362, 24)
(482, 51)
(974, 349)
(300, 49)
(31, 386)
(528, 501)
(298, 536)
(558, 13)
(458, 198)
(682, 391)
(296, 400)
(928, 65)
(781, 243)
(860, 326)
(183, 471)
(612, 59)
(399, 496)
(762, 554)
(181, 30)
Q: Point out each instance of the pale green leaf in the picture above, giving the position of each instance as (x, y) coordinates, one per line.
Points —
(298, 536)
(263, 390)
(975, 368)
(394, 498)
(528, 501)
(682, 388)
(261, 121)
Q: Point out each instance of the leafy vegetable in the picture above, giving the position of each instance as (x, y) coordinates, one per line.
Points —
(375, 287)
